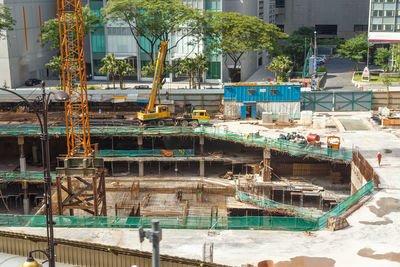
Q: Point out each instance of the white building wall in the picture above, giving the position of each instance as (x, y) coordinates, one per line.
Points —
(25, 63)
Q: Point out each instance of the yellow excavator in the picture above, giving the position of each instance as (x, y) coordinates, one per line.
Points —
(159, 114)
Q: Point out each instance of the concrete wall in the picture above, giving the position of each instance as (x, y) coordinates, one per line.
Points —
(308, 13)
(18, 63)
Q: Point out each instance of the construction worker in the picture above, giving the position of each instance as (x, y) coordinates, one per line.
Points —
(379, 158)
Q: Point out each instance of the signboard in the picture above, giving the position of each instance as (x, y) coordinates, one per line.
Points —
(365, 75)
(263, 90)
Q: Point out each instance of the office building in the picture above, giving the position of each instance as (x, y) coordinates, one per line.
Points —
(384, 21)
(22, 54)
(331, 18)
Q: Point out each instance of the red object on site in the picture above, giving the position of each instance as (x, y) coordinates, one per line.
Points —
(313, 137)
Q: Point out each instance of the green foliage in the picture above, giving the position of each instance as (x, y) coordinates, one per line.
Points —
(194, 67)
(382, 56)
(355, 49)
(235, 34)
(50, 28)
(321, 69)
(280, 64)
(148, 70)
(123, 69)
(297, 43)
(109, 67)
(386, 80)
(55, 65)
(6, 20)
(395, 49)
(154, 20)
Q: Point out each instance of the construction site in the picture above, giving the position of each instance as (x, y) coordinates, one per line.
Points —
(261, 174)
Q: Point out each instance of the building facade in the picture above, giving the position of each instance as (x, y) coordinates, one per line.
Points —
(118, 40)
(331, 19)
(384, 21)
(22, 54)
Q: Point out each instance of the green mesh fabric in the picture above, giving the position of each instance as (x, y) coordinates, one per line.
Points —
(31, 176)
(292, 148)
(146, 153)
(191, 222)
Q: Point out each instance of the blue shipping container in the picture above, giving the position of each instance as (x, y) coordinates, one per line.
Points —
(262, 93)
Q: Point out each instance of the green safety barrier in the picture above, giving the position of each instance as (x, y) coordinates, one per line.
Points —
(31, 176)
(192, 222)
(147, 153)
(284, 145)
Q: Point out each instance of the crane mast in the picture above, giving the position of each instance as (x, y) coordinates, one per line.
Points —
(74, 76)
(162, 52)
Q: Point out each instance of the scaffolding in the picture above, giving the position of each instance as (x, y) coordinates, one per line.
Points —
(193, 222)
(213, 132)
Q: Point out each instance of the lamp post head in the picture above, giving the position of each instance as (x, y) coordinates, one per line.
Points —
(30, 262)
(61, 96)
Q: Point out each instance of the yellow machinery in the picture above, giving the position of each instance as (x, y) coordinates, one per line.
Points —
(153, 113)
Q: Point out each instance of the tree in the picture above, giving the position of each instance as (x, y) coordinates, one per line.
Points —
(235, 34)
(355, 49)
(109, 67)
(123, 69)
(387, 82)
(194, 67)
(55, 65)
(382, 56)
(6, 20)
(152, 21)
(298, 43)
(280, 64)
(50, 29)
(395, 49)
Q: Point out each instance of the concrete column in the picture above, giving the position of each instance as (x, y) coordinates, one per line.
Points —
(266, 172)
(141, 168)
(26, 198)
(140, 142)
(35, 154)
(202, 171)
(22, 160)
(201, 144)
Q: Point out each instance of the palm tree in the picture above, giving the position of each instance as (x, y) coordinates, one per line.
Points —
(279, 65)
(123, 69)
(194, 67)
(109, 67)
(201, 62)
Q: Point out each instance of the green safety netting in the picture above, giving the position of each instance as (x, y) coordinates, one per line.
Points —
(191, 222)
(31, 176)
(284, 145)
(270, 204)
(147, 153)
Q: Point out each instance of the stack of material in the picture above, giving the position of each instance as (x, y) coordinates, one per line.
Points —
(336, 223)
(283, 117)
(306, 117)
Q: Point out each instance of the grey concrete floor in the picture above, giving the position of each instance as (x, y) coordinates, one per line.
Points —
(340, 71)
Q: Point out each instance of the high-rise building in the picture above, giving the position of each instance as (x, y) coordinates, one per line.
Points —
(330, 18)
(22, 54)
(384, 21)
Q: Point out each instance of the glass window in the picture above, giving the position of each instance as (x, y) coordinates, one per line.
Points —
(326, 29)
(202, 114)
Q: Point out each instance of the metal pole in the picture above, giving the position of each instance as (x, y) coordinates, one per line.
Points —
(47, 180)
(156, 243)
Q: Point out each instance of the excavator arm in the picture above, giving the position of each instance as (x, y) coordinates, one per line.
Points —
(162, 52)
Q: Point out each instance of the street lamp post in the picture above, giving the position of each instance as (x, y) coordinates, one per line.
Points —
(59, 96)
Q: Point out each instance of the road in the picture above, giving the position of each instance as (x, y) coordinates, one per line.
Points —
(340, 72)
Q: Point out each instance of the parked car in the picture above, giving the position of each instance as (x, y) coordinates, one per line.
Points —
(32, 82)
